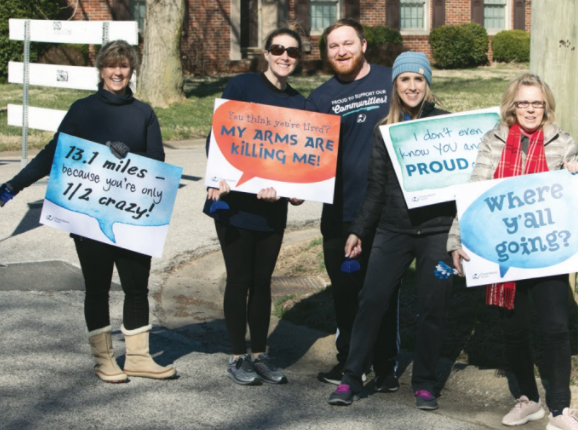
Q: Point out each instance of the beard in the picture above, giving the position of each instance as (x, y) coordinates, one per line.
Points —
(347, 69)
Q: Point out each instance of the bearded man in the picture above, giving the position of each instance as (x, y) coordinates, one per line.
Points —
(359, 92)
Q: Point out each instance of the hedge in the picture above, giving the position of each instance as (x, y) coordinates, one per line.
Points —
(511, 45)
(457, 46)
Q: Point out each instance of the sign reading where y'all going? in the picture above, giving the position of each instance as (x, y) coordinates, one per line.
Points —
(519, 228)
(256, 146)
(123, 202)
(433, 155)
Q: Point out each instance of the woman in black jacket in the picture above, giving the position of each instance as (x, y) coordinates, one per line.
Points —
(402, 235)
(111, 116)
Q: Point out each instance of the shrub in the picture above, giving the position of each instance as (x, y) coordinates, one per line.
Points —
(511, 45)
(12, 50)
(455, 46)
(384, 44)
(381, 34)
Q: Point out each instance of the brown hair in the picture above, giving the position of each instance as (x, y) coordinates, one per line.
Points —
(508, 108)
(112, 53)
(344, 22)
(283, 31)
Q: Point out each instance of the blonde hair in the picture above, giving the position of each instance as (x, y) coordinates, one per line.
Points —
(396, 105)
(508, 108)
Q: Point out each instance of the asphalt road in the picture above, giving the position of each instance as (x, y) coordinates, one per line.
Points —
(46, 378)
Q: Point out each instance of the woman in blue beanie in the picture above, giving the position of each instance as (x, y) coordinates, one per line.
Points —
(402, 236)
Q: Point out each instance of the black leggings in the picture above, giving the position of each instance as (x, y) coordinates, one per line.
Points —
(550, 297)
(346, 288)
(250, 258)
(391, 256)
(97, 261)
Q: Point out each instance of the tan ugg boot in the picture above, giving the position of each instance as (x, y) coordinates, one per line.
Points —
(138, 360)
(106, 367)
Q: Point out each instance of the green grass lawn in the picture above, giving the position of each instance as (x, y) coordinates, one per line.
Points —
(459, 90)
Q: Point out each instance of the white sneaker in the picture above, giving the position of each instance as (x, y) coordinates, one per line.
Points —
(566, 421)
(524, 411)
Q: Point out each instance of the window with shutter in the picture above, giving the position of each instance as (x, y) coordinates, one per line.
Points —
(322, 13)
(414, 16)
(495, 14)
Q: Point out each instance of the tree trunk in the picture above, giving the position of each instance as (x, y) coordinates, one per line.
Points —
(554, 56)
(160, 81)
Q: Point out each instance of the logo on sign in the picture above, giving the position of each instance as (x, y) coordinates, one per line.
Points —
(56, 220)
(483, 275)
(61, 76)
(57, 25)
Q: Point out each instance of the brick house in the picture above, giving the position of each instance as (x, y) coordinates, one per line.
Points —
(227, 35)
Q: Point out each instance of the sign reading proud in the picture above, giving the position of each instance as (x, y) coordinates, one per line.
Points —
(430, 156)
(519, 228)
(124, 202)
(256, 146)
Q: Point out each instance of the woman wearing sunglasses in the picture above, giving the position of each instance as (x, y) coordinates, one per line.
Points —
(524, 142)
(251, 230)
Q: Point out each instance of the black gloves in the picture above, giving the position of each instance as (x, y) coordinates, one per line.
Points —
(118, 149)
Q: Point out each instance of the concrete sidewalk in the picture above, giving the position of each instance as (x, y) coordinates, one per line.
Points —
(45, 363)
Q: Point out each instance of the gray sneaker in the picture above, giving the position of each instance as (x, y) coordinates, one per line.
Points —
(524, 411)
(425, 400)
(267, 370)
(242, 372)
(343, 396)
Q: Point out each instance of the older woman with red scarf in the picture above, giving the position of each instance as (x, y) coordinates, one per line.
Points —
(525, 142)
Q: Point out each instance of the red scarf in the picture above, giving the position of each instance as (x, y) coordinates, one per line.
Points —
(503, 294)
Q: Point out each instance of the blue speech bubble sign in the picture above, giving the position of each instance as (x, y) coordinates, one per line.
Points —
(86, 178)
(439, 152)
(527, 222)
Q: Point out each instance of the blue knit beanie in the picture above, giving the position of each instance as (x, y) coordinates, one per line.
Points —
(415, 62)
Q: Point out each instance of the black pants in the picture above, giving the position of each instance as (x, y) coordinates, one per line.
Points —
(346, 288)
(550, 297)
(250, 258)
(391, 255)
(97, 261)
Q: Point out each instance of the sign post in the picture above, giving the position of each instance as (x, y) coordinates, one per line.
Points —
(25, 79)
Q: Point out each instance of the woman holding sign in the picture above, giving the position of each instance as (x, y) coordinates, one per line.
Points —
(111, 116)
(526, 141)
(250, 229)
(402, 236)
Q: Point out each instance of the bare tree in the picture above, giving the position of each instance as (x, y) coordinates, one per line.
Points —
(161, 77)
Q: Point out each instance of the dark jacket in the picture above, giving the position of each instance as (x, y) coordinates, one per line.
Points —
(101, 117)
(384, 206)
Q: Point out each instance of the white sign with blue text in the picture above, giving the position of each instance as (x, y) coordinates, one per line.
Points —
(122, 202)
(519, 228)
(433, 155)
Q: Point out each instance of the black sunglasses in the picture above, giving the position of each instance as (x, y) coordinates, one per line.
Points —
(280, 50)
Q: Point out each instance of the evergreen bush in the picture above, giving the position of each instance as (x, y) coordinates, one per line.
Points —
(511, 45)
(458, 46)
